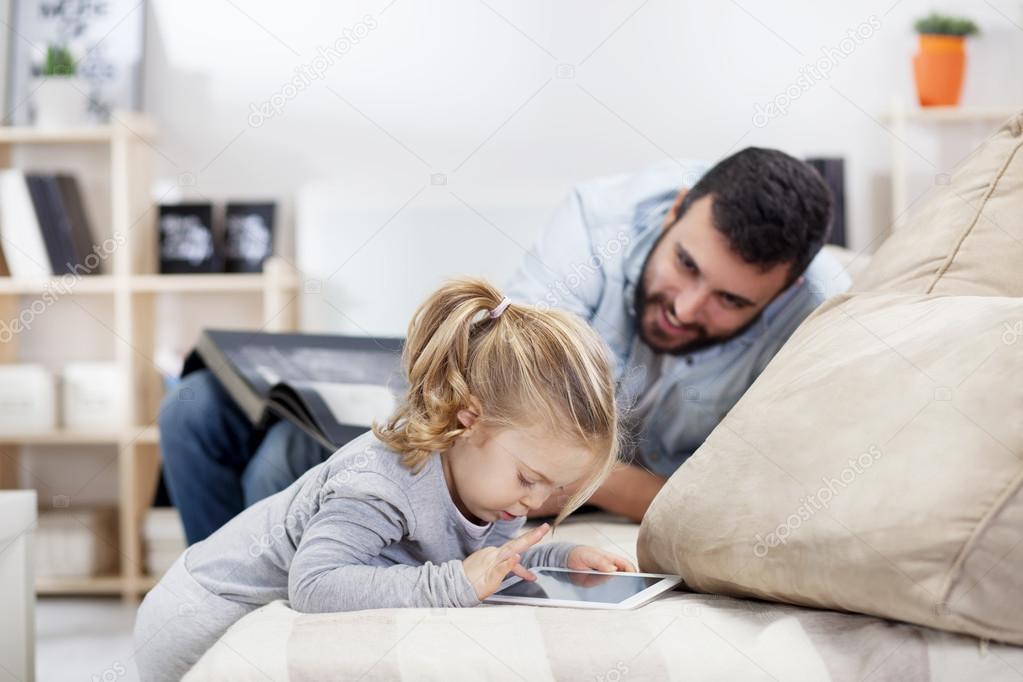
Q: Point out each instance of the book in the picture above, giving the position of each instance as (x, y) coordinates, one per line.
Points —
(60, 213)
(331, 387)
(78, 221)
(20, 232)
(55, 251)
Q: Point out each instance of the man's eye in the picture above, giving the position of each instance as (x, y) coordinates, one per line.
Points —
(684, 261)
(523, 481)
(731, 301)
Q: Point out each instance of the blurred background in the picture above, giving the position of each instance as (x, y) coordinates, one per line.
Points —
(356, 154)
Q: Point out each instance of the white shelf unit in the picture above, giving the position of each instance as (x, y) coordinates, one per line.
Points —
(133, 286)
(901, 118)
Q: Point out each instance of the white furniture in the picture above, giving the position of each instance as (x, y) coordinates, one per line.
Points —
(132, 283)
(17, 596)
(900, 118)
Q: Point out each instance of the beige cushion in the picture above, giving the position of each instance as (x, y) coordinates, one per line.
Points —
(876, 465)
(967, 238)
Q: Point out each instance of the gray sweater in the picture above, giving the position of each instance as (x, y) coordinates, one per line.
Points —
(359, 531)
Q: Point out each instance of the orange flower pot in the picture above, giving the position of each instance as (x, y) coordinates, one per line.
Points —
(938, 68)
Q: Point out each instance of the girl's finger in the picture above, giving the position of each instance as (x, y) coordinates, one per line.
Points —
(527, 539)
(624, 564)
(523, 572)
(507, 564)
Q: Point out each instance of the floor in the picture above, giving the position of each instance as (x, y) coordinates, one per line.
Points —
(84, 639)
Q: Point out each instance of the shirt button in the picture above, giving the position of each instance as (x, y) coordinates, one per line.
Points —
(689, 360)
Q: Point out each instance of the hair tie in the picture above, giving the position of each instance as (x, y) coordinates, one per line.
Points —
(501, 307)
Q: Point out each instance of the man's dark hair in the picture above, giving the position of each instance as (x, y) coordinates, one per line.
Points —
(772, 207)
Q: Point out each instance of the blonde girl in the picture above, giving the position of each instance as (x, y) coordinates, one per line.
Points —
(507, 405)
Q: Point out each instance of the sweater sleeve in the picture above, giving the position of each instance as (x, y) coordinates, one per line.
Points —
(330, 570)
(542, 554)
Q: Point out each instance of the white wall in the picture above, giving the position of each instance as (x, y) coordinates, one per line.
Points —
(453, 88)
(470, 89)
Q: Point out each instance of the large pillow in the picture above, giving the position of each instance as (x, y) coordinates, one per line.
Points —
(876, 465)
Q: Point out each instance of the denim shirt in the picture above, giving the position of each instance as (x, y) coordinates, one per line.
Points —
(589, 261)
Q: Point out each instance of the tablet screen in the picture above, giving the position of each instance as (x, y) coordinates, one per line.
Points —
(606, 589)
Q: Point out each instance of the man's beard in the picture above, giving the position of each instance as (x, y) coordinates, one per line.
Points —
(643, 303)
(703, 340)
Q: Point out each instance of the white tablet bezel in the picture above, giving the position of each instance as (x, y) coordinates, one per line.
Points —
(666, 583)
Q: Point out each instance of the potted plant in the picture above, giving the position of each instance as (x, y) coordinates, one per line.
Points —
(941, 61)
(61, 97)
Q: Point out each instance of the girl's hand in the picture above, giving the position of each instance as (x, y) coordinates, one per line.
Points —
(487, 568)
(586, 558)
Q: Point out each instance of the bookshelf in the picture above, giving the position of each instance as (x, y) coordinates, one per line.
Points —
(133, 286)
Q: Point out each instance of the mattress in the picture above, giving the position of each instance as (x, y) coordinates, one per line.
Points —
(682, 636)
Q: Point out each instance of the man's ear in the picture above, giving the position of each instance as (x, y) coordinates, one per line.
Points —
(672, 215)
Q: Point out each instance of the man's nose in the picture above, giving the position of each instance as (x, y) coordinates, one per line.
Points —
(689, 302)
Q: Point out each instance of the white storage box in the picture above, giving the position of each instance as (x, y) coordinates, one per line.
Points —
(93, 396)
(76, 543)
(164, 539)
(28, 401)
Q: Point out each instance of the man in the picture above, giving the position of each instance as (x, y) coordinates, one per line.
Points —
(693, 291)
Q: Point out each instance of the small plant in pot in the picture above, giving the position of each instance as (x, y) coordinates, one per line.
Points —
(940, 63)
(60, 96)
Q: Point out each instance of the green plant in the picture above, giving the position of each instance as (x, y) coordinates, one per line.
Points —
(945, 25)
(59, 61)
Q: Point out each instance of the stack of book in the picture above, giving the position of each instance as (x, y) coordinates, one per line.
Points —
(44, 229)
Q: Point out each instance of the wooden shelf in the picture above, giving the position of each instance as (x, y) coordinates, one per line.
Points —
(125, 124)
(953, 114)
(102, 585)
(61, 437)
(143, 434)
(133, 289)
(91, 284)
(901, 118)
(108, 284)
(211, 283)
(113, 585)
(136, 434)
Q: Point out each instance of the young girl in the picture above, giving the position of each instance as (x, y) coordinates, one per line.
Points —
(506, 406)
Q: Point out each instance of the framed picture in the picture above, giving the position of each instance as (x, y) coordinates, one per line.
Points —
(186, 239)
(248, 236)
(105, 41)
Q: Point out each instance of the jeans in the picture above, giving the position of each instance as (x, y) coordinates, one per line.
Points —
(213, 464)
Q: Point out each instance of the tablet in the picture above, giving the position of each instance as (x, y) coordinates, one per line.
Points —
(583, 589)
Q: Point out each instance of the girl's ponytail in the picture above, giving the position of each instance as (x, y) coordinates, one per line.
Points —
(436, 360)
